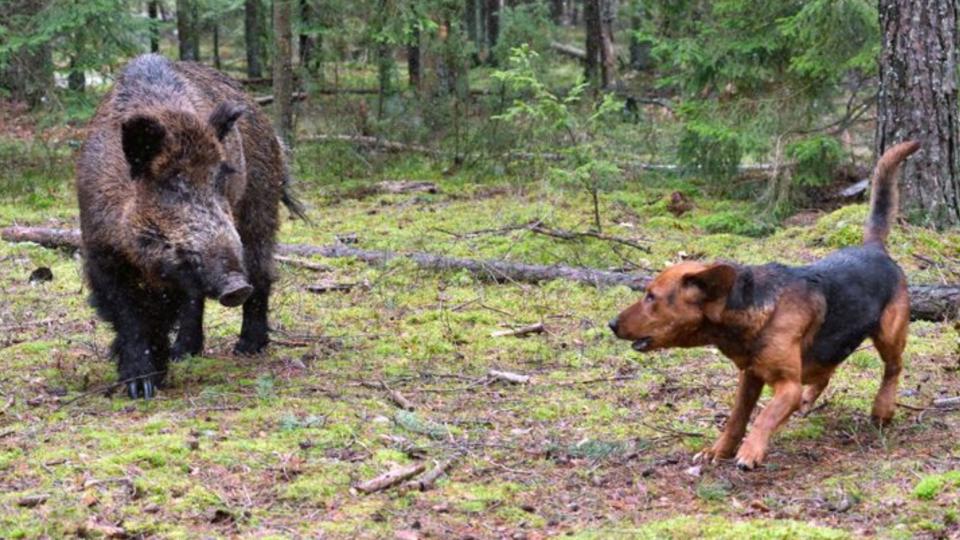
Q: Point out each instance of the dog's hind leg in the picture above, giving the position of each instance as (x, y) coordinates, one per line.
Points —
(890, 340)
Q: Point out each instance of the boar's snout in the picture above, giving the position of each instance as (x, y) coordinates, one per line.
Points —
(234, 290)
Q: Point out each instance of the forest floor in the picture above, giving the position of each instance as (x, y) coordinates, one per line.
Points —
(597, 444)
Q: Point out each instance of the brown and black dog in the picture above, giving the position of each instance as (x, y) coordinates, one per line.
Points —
(788, 327)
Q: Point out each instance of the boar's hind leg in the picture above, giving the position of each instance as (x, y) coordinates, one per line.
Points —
(190, 332)
(142, 325)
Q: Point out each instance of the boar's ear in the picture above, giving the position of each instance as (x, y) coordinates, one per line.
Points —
(224, 117)
(142, 138)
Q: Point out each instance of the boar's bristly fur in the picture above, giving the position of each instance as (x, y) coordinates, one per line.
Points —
(179, 184)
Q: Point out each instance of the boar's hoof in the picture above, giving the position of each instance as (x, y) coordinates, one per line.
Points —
(235, 292)
(141, 388)
(249, 347)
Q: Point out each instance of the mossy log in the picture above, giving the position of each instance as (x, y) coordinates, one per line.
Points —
(927, 302)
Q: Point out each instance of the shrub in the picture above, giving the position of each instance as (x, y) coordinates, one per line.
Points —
(817, 158)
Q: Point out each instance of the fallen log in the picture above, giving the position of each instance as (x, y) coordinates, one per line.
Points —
(266, 100)
(927, 302)
(569, 50)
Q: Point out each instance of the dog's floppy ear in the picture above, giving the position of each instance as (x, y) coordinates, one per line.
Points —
(714, 284)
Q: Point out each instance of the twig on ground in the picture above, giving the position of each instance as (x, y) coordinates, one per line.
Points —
(507, 376)
(9, 404)
(429, 480)
(24, 325)
(536, 328)
(946, 402)
(390, 478)
(665, 429)
(616, 378)
(300, 263)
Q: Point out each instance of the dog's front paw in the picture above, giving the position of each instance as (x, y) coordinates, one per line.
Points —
(749, 456)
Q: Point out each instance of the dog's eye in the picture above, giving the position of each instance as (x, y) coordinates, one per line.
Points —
(650, 298)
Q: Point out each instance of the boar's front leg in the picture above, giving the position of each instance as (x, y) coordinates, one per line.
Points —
(253, 333)
(190, 333)
(141, 320)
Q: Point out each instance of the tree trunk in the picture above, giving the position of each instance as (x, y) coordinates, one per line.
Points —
(76, 80)
(918, 101)
(29, 71)
(153, 13)
(413, 59)
(283, 69)
(608, 58)
(470, 21)
(188, 35)
(592, 25)
(639, 50)
(308, 39)
(252, 32)
(556, 11)
(493, 26)
(216, 45)
(574, 13)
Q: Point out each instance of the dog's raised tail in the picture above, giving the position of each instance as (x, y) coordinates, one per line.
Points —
(884, 195)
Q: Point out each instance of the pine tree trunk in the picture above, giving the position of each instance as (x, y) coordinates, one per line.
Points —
(216, 45)
(153, 13)
(470, 21)
(283, 69)
(608, 58)
(252, 31)
(308, 41)
(28, 73)
(556, 11)
(639, 50)
(413, 59)
(493, 25)
(187, 32)
(591, 20)
(918, 101)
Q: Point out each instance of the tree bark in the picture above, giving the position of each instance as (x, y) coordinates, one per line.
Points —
(918, 101)
(640, 59)
(492, 25)
(28, 74)
(216, 45)
(153, 13)
(556, 11)
(592, 25)
(283, 69)
(927, 302)
(252, 32)
(608, 58)
(308, 40)
(188, 33)
(413, 59)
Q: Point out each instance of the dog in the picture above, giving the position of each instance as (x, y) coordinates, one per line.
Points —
(788, 327)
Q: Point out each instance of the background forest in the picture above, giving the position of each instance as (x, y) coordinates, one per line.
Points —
(608, 137)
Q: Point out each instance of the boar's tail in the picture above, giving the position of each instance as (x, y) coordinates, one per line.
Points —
(290, 200)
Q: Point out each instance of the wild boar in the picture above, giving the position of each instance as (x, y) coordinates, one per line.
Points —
(179, 184)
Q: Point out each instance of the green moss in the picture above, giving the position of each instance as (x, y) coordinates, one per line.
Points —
(929, 487)
(721, 529)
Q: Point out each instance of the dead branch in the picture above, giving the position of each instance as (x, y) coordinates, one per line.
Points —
(507, 376)
(375, 142)
(520, 332)
(429, 480)
(266, 100)
(300, 263)
(927, 302)
(395, 396)
(569, 50)
(946, 402)
(331, 286)
(540, 228)
(390, 478)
